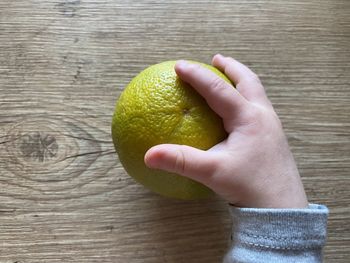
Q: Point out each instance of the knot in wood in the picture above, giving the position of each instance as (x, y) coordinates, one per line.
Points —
(38, 146)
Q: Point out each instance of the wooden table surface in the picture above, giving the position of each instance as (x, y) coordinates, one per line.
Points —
(64, 197)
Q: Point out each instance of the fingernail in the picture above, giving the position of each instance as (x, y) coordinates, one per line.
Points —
(219, 56)
(149, 160)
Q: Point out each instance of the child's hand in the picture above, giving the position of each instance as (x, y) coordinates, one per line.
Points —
(253, 167)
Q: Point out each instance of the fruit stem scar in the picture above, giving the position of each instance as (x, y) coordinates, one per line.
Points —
(186, 111)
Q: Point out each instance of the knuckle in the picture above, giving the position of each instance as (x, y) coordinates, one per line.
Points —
(210, 172)
(252, 119)
(252, 81)
(215, 167)
(180, 162)
(217, 85)
(254, 114)
(261, 121)
(230, 59)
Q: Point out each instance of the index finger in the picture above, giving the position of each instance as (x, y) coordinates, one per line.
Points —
(220, 95)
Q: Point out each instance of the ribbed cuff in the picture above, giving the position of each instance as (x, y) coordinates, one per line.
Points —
(280, 229)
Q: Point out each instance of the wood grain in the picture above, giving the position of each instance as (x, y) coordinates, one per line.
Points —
(64, 197)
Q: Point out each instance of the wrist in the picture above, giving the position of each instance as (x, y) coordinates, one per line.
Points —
(275, 195)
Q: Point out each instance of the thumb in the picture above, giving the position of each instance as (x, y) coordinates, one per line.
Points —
(184, 160)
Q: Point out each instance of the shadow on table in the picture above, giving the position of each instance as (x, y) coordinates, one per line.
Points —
(187, 231)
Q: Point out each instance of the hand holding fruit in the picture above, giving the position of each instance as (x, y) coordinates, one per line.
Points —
(157, 107)
(253, 167)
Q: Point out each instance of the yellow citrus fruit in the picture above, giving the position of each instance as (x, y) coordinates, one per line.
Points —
(157, 107)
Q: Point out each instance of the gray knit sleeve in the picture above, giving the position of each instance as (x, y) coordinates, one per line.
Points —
(278, 235)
